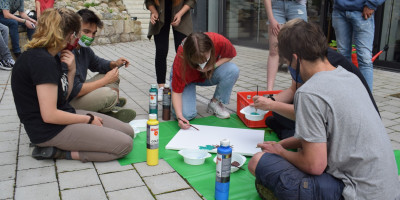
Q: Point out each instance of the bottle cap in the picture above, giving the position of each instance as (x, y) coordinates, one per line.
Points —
(225, 143)
(153, 85)
(152, 116)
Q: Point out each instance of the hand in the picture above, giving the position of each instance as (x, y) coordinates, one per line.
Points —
(183, 123)
(29, 25)
(275, 27)
(177, 20)
(121, 61)
(154, 18)
(68, 58)
(97, 121)
(271, 147)
(262, 103)
(112, 75)
(367, 12)
(33, 21)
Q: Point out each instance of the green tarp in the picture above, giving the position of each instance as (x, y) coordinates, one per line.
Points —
(202, 177)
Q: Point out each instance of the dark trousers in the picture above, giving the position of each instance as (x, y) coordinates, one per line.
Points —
(162, 44)
(282, 126)
(288, 182)
(13, 29)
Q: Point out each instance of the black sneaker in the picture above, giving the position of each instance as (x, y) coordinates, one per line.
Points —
(4, 65)
(11, 62)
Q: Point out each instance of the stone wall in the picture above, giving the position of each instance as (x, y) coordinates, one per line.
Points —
(118, 25)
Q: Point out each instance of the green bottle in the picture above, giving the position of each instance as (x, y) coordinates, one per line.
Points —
(153, 105)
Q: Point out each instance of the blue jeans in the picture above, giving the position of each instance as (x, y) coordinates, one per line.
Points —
(4, 51)
(288, 182)
(13, 28)
(224, 77)
(285, 11)
(350, 27)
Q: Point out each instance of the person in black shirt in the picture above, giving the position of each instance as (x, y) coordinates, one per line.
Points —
(40, 88)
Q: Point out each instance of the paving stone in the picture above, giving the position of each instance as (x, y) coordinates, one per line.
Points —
(8, 135)
(7, 189)
(141, 193)
(10, 126)
(10, 145)
(72, 165)
(94, 192)
(111, 166)
(183, 194)
(42, 191)
(121, 180)
(395, 145)
(145, 170)
(395, 128)
(77, 179)
(389, 123)
(162, 183)
(395, 137)
(28, 162)
(389, 115)
(7, 172)
(36, 176)
(24, 139)
(8, 158)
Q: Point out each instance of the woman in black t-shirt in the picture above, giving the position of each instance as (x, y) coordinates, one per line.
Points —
(40, 90)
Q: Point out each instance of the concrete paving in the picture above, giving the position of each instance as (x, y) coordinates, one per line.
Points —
(23, 177)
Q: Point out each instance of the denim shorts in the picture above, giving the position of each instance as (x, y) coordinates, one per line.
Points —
(284, 10)
(288, 182)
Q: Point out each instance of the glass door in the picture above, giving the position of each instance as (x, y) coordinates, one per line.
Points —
(244, 22)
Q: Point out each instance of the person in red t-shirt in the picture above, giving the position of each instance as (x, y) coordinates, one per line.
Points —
(202, 59)
(42, 5)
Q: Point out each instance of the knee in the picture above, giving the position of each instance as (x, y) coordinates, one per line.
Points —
(254, 161)
(108, 94)
(189, 115)
(13, 25)
(126, 146)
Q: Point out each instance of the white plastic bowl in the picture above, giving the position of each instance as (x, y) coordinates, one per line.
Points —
(235, 157)
(248, 110)
(194, 156)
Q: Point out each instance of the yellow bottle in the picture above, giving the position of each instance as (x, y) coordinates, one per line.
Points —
(152, 140)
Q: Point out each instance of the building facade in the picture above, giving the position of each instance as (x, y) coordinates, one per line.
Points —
(244, 22)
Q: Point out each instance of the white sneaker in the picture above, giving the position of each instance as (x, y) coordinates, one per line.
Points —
(218, 109)
(160, 93)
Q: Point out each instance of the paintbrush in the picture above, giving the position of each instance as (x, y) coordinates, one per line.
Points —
(257, 95)
(189, 124)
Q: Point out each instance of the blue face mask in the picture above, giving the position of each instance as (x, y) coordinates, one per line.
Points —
(293, 73)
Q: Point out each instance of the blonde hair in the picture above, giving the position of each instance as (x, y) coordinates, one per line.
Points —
(53, 27)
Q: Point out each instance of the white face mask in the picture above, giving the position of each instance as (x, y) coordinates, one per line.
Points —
(202, 65)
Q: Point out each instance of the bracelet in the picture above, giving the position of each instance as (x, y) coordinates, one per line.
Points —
(271, 96)
(24, 21)
(91, 118)
(215, 66)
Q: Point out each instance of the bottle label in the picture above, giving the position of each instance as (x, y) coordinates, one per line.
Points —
(167, 99)
(152, 136)
(223, 167)
(153, 100)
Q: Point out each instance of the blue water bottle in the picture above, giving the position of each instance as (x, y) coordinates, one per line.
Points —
(223, 170)
(153, 105)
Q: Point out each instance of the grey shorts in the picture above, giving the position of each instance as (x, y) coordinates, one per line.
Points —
(285, 11)
(288, 182)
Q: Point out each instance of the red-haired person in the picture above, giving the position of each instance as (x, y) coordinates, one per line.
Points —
(203, 59)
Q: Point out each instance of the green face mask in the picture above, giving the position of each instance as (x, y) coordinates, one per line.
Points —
(85, 41)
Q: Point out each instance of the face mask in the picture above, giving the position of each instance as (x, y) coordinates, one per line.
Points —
(293, 73)
(202, 65)
(72, 46)
(85, 41)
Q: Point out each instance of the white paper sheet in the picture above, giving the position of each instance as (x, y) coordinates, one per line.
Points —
(244, 141)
